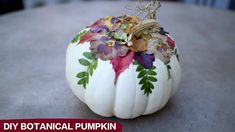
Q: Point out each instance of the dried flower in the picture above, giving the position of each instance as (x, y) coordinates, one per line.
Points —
(145, 59)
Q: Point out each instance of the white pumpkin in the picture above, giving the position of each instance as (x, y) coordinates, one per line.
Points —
(125, 99)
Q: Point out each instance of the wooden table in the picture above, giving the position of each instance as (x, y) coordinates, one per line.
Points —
(32, 66)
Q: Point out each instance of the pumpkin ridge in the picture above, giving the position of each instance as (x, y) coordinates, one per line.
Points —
(86, 92)
(146, 106)
(147, 102)
(176, 74)
(159, 87)
(133, 71)
(164, 94)
(114, 100)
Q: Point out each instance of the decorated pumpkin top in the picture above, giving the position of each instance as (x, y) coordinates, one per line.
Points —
(127, 39)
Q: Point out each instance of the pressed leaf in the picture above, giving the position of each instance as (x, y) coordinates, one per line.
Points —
(143, 80)
(168, 71)
(151, 85)
(81, 74)
(145, 86)
(79, 35)
(91, 70)
(168, 66)
(75, 39)
(120, 36)
(177, 55)
(84, 85)
(98, 26)
(151, 72)
(135, 63)
(139, 45)
(147, 76)
(178, 58)
(148, 91)
(175, 51)
(95, 64)
(141, 74)
(153, 68)
(91, 66)
(82, 81)
(152, 79)
(121, 63)
(87, 78)
(84, 62)
(170, 41)
(87, 37)
(97, 23)
(88, 55)
(139, 68)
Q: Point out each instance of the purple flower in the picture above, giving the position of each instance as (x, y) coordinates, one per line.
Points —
(117, 45)
(121, 50)
(101, 49)
(114, 20)
(146, 60)
(98, 29)
(104, 49)
(104, 39)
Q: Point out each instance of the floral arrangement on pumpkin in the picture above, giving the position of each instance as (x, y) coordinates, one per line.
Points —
(124, 40)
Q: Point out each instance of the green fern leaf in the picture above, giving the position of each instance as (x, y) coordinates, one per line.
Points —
(147, 77)
(88, 55)
(84, 62)
(79, 36)
(91, 66)
(81, 75)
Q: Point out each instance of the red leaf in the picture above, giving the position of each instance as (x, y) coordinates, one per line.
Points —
(122, 63)
(87, 37)
(97, 23)
(170, 41)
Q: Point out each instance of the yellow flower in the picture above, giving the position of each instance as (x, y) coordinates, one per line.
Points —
(108, 22)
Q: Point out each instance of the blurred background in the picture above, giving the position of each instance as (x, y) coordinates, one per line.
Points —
(7, 6)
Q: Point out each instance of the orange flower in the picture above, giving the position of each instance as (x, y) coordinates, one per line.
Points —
(139, 45)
